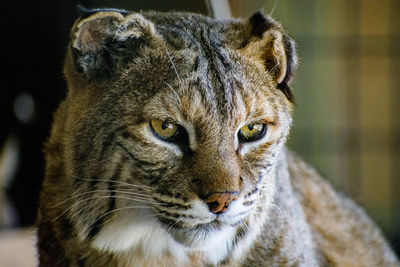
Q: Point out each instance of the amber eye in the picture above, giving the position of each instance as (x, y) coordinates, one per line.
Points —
(164, 129)
(251, 132)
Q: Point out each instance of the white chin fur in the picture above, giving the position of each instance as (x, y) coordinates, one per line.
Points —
(142, 233)
(134, 230)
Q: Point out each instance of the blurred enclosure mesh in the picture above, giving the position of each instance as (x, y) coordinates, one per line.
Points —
(346, 122)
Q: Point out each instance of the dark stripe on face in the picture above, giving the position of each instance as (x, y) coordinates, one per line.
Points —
(93, 182)
(219, 67)
(111, 189)
(98, 223)
(107, 144)
(139, 161)
(241, 232)
(255, 190)
(173, 219)
(95, 228)
(78, 173)
(147, 170)
(173, 214)
(80, 157)
(210, 55)
(109, 141)
(172, 205)
(66, 228)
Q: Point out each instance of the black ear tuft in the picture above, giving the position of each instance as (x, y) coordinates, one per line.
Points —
(259, 24)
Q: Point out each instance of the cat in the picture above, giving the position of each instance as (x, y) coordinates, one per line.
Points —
(169, 150)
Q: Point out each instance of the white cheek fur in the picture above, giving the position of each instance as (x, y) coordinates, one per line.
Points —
(192, 135)
(138, 231)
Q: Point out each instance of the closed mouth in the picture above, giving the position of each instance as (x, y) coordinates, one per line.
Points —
(188, 235)
(180, 225)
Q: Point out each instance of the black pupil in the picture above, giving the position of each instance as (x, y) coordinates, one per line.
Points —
(249, 135)
(164, 125)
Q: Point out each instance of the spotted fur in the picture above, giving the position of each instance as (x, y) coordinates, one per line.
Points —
(117, 195)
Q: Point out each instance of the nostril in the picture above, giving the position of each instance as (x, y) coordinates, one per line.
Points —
(219, 202)
(214, 206)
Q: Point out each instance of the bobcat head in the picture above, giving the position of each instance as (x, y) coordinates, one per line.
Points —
(172, 130)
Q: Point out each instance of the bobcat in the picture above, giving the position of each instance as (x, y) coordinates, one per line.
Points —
(169, 151)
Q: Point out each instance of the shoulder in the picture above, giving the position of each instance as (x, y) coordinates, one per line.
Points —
(344, 233)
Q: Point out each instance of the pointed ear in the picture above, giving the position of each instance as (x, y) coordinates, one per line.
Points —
(102, 42)
(268, 44)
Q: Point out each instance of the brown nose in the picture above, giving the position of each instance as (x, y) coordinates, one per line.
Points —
(219, 202)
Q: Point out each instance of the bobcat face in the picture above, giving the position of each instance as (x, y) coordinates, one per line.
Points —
(175, 122)
(205, 154)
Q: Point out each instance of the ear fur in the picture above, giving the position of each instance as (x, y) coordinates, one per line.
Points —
(102, 42)
(269, 44)
(92, 33)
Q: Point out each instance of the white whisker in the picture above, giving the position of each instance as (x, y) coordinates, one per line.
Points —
(173, 65)
(173, 90)
(170, 227)
(118, 209)
(113, 181)
(140, 200)
(273, 8)
(140, 196)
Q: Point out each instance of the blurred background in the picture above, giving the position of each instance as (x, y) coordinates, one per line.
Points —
(347, 91)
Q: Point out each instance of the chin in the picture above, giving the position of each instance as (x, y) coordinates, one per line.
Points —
(196, 237)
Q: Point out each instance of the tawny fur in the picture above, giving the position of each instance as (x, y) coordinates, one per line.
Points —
(116, 194)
